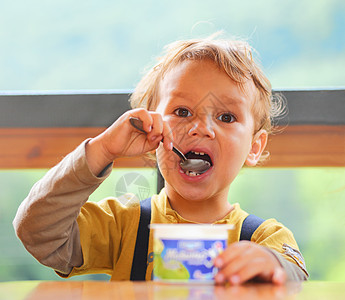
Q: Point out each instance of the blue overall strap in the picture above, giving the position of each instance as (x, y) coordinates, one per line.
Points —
(139, 264)
(249, 225)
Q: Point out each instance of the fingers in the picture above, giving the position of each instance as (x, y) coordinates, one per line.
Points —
(168, 137)
(279, 276)
(156, 133)
(232, 255)
(244, 261)
(154, 126)
(232, 263)
(144, 116)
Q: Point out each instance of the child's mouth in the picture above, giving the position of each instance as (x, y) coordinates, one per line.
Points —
(200, 156)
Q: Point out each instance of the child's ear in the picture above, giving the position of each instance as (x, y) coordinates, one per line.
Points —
(258, 146)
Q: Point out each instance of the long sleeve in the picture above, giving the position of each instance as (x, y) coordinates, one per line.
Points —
(293, 271)
(281, 242)
(46, 220)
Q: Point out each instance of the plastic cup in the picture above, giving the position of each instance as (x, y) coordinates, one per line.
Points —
(185, 253)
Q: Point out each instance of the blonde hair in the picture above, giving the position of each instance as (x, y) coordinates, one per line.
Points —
(234, 57)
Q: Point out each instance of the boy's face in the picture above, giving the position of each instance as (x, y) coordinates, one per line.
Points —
(208, 113)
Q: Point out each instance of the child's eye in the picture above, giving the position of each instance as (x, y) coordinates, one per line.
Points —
(226, 118)
(182, 112)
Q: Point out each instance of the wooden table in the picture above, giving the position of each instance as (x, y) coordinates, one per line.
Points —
(65, 290)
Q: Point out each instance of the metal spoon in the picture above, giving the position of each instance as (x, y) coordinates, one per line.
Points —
(195, 165)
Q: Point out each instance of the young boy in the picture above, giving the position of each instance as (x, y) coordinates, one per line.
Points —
(208, 98)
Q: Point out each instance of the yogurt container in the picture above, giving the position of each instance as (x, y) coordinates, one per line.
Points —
(185, 253)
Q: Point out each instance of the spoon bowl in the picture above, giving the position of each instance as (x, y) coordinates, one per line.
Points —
(195, 165)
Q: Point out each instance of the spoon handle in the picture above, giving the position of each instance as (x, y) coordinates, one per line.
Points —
(138, 124)
(179, 153)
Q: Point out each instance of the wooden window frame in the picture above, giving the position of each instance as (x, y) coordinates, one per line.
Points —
(37, 129)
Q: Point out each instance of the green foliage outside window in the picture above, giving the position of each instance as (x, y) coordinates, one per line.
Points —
(309, 201)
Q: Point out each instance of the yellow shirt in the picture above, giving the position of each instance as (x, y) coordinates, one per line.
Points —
(108, 231)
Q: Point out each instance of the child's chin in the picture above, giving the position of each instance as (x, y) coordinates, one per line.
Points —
(194, 194)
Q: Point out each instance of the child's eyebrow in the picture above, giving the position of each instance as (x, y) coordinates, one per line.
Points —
(181, 94)
(221, 102)
(227, 100)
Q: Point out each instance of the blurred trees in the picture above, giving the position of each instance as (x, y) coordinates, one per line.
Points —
(308, 201)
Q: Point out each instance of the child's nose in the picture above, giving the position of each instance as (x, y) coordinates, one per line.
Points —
(202, 127)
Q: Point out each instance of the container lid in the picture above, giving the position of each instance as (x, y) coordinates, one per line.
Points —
(191, 231)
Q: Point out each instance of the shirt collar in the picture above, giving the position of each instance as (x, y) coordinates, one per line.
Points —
(163, 205)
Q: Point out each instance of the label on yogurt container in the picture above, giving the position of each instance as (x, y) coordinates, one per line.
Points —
(186, 260)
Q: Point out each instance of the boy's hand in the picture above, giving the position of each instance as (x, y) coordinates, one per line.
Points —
(244, 261)
(122, 139)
